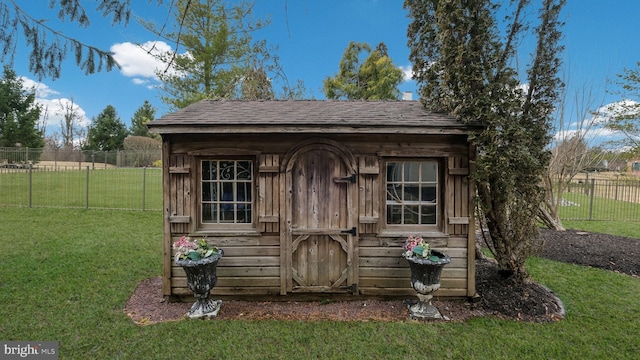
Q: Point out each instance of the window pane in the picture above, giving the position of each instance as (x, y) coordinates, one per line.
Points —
(227, 170)
(394, 214)
(394, 172)
(227, 213)
(244, 170)
(209, 192)
(412, 171)
(227, 191)
(411, 192)
(209, 170)
(428, 193)
(411, 215)
(429, 172)
(428, 214)
(244, 191)
(394, 192)
(209, 213)
(244, 213)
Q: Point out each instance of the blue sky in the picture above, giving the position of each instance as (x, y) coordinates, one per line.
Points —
(600, 38)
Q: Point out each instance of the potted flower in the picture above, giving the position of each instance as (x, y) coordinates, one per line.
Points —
(199, 261)
(426, 266)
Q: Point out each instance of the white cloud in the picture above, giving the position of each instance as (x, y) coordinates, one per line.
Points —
(56, 108)
(42, 90)
(139, 81)
(140, 61)
(592, 129)
(407, 72)
(619, 107)
(53, 107)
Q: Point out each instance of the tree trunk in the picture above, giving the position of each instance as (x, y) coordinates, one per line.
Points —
(551, 221)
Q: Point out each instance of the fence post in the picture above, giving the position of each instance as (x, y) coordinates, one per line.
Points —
(30, 187)
(87, 189)
(593, 186)
(144, 183)
(586, 185)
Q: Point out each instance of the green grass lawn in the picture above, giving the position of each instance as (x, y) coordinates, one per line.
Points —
(66, 274)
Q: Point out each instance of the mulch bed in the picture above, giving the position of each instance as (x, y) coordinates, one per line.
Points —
(499, 297)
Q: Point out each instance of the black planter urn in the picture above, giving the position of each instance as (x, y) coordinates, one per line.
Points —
(425, 280)
(201, 278)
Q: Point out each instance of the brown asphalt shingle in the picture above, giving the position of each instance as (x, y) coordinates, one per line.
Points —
(307, 116)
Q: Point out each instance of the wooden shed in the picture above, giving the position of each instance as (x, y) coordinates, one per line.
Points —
(317, 197)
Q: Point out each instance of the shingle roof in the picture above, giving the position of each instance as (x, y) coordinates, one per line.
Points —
(314, 116)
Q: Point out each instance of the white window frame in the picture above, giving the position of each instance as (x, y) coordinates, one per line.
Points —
(220, 201)
(418, 183)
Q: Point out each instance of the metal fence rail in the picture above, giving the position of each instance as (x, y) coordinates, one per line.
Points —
(602, 199)
(111, 188)
(22, 158)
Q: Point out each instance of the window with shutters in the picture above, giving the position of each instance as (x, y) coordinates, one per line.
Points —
(413, 193)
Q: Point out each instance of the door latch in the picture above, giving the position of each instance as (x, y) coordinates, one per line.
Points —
(352, 231)
(351, 178)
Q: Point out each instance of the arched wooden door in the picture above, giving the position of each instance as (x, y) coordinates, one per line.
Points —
(321, 234)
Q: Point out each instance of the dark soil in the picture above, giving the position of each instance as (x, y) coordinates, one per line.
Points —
(499, 297)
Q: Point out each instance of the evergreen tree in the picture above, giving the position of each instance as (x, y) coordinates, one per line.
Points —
(19, 113)
(464, 66)
(49, 47)
(106, 132)
(374, 78)
(220, 58)
(145, 114)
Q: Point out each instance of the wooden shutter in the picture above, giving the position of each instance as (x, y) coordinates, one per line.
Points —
(268, 193)
(180, 196)
(369, 193)
(457, 195)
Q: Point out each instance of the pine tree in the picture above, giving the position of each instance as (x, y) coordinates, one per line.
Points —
(19, 113)
(143, 115)
(374, 78)
(106, 132)
(220, 59)
(49, 46)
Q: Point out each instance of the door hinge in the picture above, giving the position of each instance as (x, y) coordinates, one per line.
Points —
(353, 288)
(353, 231)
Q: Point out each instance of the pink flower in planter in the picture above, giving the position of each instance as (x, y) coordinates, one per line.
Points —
(194, 250)
(416, 246)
